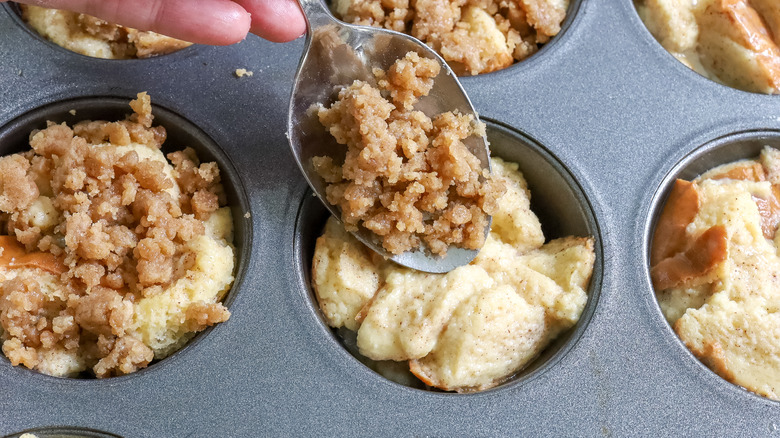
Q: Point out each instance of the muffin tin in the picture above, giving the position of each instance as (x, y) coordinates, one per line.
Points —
(602, 119)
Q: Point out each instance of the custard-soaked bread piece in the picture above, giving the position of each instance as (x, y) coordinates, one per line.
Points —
(341, 297)
(503, 339)
(472, 36)
(734, 42)
(513, 219)
(672, 23)
(769, 10)
(735, 45)
(727, 315)
(407, 177)
(111, 255)
(473, 327)
(738, 339)
(91, 36)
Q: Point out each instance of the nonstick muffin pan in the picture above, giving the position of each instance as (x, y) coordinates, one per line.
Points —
(602, 118)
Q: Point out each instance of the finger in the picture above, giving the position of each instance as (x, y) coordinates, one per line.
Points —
(217, 22)
(275, 20)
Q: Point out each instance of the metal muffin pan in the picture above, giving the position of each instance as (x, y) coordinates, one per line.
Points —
(615, 111)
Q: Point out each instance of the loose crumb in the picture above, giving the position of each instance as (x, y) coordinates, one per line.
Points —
(72, 112)
(247, 215)
(241, 72)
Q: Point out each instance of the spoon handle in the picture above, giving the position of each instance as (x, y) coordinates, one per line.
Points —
(317, 13)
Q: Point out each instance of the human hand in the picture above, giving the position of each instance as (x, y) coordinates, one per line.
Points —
(216, 22)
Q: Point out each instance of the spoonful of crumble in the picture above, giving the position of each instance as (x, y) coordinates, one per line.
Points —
(388, 140)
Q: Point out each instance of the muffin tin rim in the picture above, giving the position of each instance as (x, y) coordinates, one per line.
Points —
(71, 431)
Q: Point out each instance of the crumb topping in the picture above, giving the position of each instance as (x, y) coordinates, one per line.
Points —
(407, 177)
(472, 36)
(93, 220)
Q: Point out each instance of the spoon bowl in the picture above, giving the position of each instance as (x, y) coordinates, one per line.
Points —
(335, 55)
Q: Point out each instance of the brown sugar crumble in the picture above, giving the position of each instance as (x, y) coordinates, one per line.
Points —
(472, 36)
(94, 37)
(111, 256)
(407, 177)
(242, 72)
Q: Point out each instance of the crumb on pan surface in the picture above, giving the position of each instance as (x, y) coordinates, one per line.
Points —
(734, 42)
(473, 37)
(406, 177)
(91, 36)
(242, 72)
(469, 329)
(111, 255)
(716, 270)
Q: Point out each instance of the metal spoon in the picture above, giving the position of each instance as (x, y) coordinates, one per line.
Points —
(335, 55)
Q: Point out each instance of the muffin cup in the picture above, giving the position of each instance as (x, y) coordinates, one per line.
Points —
(556, 198)
(14, 138)
(724, 149)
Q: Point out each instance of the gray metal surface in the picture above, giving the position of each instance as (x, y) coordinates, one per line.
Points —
(616, 111)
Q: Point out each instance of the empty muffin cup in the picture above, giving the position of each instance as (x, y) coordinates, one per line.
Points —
(373, 284)
(192, 260)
